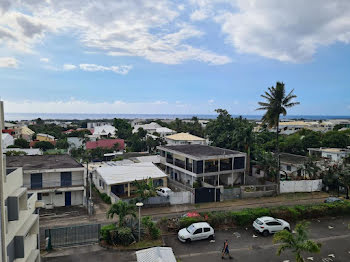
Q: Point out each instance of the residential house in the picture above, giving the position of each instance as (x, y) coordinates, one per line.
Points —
(19, 221)
(91, 125)
(75, 142)
(212, 165)
(106, 143)
(184, 139)
(25, 133)
(45, 137)
(7, 140)
(333, 154)
(58, 180)
(154, 127)
(292, 165)
(117, 181)
(27, 151)
(104, 131)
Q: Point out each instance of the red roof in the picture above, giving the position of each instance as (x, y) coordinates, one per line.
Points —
(9, 131)
(105, 143)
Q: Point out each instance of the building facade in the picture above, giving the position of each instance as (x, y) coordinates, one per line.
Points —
(57, 179)
(18, 215)
(215, 166)
(333, 154)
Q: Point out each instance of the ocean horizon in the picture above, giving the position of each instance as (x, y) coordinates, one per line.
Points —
(79, 116)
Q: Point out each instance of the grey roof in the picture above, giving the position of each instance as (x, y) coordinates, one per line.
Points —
(292, 159)
(156, 254)
(201, 150)
(42, 162)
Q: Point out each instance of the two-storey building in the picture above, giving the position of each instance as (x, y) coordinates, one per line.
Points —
(212, 165)
(19, 221)
(59, 180)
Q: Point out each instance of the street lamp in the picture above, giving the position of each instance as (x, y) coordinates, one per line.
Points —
(139, 205)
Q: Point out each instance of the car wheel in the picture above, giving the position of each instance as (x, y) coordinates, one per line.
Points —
(265, 233)
(188, 240)
(211, 237)
(286, 228)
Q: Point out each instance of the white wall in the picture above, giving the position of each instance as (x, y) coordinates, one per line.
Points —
(53, 179)
(183, 197)
(58, 199)
(301, 186)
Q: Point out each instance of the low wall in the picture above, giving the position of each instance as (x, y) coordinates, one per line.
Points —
(301, 186)
(183, 197)
(231, 193)
(258, 191)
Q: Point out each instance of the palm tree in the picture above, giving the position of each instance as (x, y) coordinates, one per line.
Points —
(276, 104)
(311, 168)
(122, 209)
(145, 189)
(298, 242)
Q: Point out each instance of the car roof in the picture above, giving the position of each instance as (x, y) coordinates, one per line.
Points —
(266, 218)
(165, 188)
(201, 224)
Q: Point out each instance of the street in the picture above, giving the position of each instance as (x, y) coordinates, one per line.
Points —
(245, 245)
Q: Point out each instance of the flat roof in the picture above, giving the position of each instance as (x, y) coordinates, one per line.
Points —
(42, 162)
(293, 159)
(201, 150)
(129, 173)
(331, 150)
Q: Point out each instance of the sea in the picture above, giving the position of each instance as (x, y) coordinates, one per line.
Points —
(76, 116)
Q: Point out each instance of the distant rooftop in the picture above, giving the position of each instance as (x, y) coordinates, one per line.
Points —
(292, 159)
(331, 150)
(201, 150)
(42, 162)
(185, 136)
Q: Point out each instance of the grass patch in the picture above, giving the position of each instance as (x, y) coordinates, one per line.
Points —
(146, 243)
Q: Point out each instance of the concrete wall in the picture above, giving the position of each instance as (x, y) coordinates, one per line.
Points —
(57, 199)
(301, 186)
(231, 193)
(183, 197)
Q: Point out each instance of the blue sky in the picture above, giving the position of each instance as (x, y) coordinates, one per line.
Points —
(178, 57)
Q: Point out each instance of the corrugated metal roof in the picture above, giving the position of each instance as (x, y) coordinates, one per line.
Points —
(185, 136)
(156, 254)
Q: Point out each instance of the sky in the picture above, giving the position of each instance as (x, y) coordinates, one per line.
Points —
(173, 56)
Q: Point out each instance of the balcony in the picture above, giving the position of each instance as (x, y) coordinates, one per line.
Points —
(169, 160)
(180, 163)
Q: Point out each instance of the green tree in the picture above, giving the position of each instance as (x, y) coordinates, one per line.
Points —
(123, 128)
(62, 143)
(344, 178)
(335, 139)
(145, 189)
(122, 210)
(267, 162)
(21, 143)
(311, 168)
(298, 243)
(276, 104)
(44, 145)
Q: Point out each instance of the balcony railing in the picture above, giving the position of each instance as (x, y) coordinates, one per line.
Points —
(53, 184)
(189, 167)
(169, 160)
(180, 163)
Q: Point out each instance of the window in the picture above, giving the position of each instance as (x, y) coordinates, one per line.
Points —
(206, 229)
(238, 162)
(289, 168)
(40, 197)
(273, 223)
(36, 180)
(66, 178)
(45, 194)
(198, 231)
(58, 193)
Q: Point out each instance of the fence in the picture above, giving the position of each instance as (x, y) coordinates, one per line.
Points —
(183, 197)
(258, 191)
(156, 201)
(179, 186)
(74, 235)
(300, 186)
(231, 193)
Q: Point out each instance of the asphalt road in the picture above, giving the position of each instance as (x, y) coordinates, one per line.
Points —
(244, 244)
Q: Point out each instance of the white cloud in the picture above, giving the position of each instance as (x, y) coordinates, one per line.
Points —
(154, 30)
(44, 59)
(8, 62)
(123, 69)
(286, 30)
(211, 102)
(69, 67)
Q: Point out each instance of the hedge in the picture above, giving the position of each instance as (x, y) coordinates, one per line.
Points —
(106, 232)
(247, 216)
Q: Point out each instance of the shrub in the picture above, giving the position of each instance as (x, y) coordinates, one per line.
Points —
(187, 221)
(106, 233)
(123, 236)
(153, 230)
(105, 198)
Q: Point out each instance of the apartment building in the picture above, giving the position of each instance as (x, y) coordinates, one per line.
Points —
(212, 165)
(19, 221)
(58, 180)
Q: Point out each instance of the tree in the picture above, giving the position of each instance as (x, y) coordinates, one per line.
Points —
(144, 188)
(297, 243)
(21, 143)
(15, 153)
(276, 104)
(268, 164)
(62, 143)
(335, 139)
(122, 209)
(123, 128)
(44, 145)
(344, 178)
(311, 168)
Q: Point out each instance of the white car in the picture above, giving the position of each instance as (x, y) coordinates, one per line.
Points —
(164, 191)
(269, 225)
(196, 231)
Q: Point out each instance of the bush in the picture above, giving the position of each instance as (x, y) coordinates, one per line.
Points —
(105, 198)
(153, 230)
(123, 236)
(106, 233)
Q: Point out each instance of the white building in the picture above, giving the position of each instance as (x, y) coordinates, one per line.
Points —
(75, 142)
(334, 154)
(27, 151)
(91, 125)
(58, 179)
(291, 127)
(7, 140)
(104, 131)
(116, 181)
(19, 221)
(184, 139)
(156, 254)
(154, 127)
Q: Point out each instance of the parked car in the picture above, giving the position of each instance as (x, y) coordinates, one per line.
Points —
(196, 231)
(269, 225)
(164, 191)
(332, 200)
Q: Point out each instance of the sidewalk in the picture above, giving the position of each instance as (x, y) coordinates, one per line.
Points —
(177, 210)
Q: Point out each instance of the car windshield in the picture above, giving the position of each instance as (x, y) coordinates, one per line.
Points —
(191, 229)
(258, 222)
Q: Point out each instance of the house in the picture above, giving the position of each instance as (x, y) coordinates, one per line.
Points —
(292, 165)
(7, 140)
(164, 131)
(184, 139)
(104, 131)
(58, 180)
(25, 133)
(156, 254)
(75, 142)
(212, 165)
(91, 125)
(333, 154)
(106, 143)
(45, 137)
(116, 181)
(19, 221)
(154, 127)
(27, 151)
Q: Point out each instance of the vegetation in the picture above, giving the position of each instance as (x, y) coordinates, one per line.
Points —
(15, 153)
(122, 210)
(297, 243)
(44, 145)
(145, 189)
(152, 230)
(123, 128)
(193, 126)
(21, 143)
(105, 232)
(276, 104)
